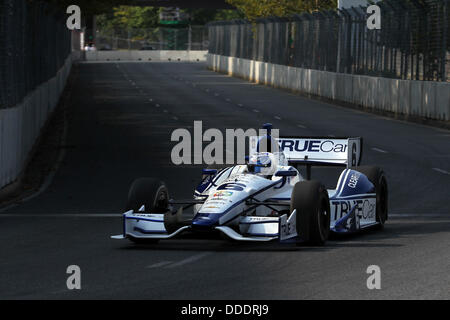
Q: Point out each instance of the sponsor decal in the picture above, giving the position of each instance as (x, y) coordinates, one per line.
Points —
(365, 208)
(304, 145)
(222, 194)
(218, 201)
(354, 180)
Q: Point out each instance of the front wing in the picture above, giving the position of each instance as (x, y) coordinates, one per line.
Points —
(151, 226)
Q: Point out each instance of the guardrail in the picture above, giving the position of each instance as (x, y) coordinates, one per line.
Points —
(21, 125)
(427, 99)
(144, 55)
(35, 61)
(412, 44)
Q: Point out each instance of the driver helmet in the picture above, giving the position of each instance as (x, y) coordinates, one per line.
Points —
(263, 163)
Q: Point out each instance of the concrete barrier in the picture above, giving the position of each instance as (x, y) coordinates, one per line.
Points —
(21, 125)
(425, 99)
(146, 55)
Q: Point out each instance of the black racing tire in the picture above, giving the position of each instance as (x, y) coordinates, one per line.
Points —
(310, 199)
(378, 179)
(150, 192)
(153, 194)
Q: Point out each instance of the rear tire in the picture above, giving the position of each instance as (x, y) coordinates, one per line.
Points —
(378, 179)
(151, 193)
(310, 199)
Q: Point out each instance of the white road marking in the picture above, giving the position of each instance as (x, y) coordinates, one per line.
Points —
(301, 126)
(159, 264)
(255, 110)
(157, 105)
(189, 260)
(277, 117)
(379, 150)
(441, 171)
(240, 105)
(175, 118)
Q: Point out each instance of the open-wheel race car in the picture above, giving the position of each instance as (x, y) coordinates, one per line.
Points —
(267, 198)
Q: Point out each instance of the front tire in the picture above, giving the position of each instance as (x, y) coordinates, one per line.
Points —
(310, 199)
(151, 193)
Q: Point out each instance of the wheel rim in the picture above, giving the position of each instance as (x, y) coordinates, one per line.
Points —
(161, 200)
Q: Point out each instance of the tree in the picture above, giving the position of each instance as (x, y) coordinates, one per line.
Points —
(254, 9)
(203, 16)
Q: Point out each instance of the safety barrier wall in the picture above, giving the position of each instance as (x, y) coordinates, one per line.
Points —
(403, 97)
(150, 55)
(20, 126)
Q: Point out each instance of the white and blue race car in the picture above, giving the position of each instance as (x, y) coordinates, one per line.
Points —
(267, 198)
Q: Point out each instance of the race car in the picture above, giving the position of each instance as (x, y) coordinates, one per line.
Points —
(267, 198)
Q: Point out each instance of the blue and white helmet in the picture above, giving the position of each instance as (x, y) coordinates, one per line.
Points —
(266, 163)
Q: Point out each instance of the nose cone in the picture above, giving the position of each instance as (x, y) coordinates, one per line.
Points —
(204, 221)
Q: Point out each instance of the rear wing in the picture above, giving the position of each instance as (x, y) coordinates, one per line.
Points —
(317, 150)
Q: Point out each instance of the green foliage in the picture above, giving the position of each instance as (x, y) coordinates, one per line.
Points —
(124, 17)
(203, 16)
(254, 9)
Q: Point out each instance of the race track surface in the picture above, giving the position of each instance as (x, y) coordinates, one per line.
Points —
(120, 121)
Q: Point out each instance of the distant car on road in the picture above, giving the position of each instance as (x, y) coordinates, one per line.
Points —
(90, 47)
(267, 198)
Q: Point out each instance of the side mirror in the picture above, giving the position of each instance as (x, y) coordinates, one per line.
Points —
(286, 174)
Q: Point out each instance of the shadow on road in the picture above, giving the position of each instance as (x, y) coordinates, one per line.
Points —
(391, 236)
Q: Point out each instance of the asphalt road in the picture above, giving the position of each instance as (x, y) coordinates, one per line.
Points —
(121, 117)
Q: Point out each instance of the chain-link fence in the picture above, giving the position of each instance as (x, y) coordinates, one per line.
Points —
(162, 38)
(34, 44)
(413, 42)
